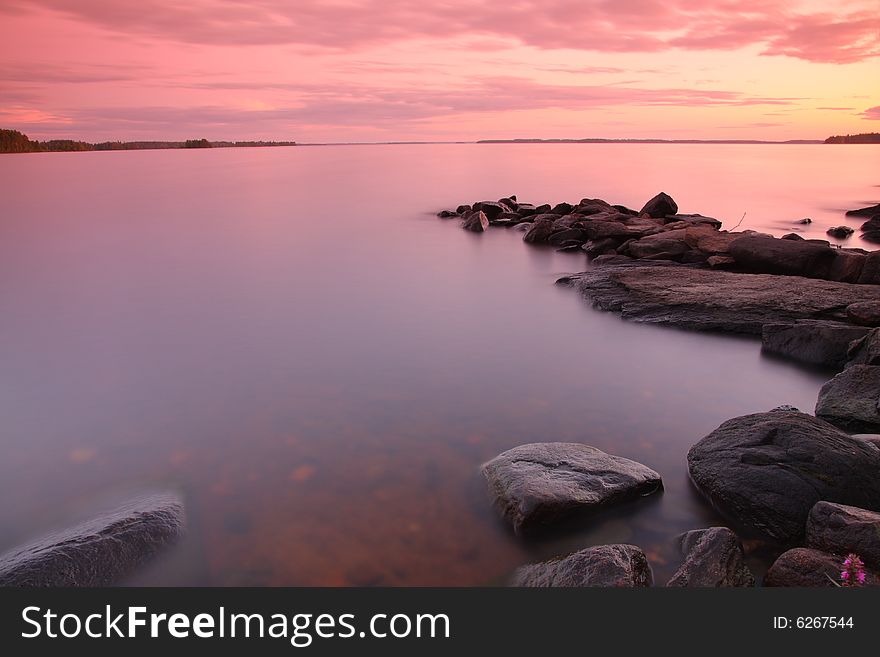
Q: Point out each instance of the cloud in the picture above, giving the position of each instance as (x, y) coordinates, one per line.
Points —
(872, 113)
(777, 27)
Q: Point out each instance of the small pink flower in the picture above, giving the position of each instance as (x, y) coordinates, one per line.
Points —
(853, 573)
(844, 574)
(860, 577)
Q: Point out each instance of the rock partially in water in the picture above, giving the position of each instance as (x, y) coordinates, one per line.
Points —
(709, 300)
(543, 226)
(870, 211)
(851, 400)
(600, 566)
(660, 206)
(864, 313)
(759, 254)
(765, 471)
(713, 558)
(840, 232)
(476, 221)
(805, 567)
(99, 552)
(814, 341)
(842, 529)
(537, 485)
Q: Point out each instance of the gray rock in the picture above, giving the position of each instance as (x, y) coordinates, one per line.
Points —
(815, 341)
(661, 205)
(99, 552)
(864, 313)
(805, 567)
(600, 566)
(700, 299)
(851, 400)
(870, 438)
(476, 221)
(536, 485)
(866, 350)
(842, 529)
(760, 254)
(765, 471)
(713, 558)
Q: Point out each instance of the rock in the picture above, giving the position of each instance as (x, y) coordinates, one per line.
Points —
(864, 313)
(766, 471)
(524, 226)
(700, 299)
(624, 210)
(476, 221)
(864, 212)
(786, 407)
(872, 224)
(660, 206)
(670, 245)
(871, 270)
(596, 248)
(870, 438)
(792, 236)
(571, 234)
(720, 262)
(768, 255)
(713, 559)
(815, 341)
(866, 350)
(536, 485)
(840, 232)
(600, 566)
(847, 266)
(463, 209)
(694, 220)
(492, 209)
(805, 567)
(98, 552)
(446, 214)
(542, 228)
(872, 236)
(525, 209)
(543, 209)
(851, 400)
(842, 529)
(509, 201)
(562, 208)
(804, 221)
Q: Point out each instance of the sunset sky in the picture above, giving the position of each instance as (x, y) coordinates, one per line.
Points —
(378, 70)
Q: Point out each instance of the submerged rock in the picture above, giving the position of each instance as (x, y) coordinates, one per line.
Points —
(842, 529)
(765, 471)
(851, 400)
(536, 485)
(815, 341)
(805, 567)
(99, 552)
(600, 566)
(713, 558)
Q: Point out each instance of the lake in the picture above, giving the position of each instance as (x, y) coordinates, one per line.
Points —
(291, 339)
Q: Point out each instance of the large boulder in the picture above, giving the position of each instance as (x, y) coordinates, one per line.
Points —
(660, 206)
(851, 400)
(805, 567)
(476, 221)
(712, 558)
(865, 351)
(100, 551)
(871, 269)
(761, 254)
(765, 471)
(600, 566)
(842, 529)
(492, 208)
(864, 313)
(536, 485)
(814, 341)
(670, 245)
(708, 240)
(840, 232)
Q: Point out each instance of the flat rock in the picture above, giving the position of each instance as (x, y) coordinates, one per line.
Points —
(815, 341)
(760, 254)
(805, 567)
(842, 529)
(536, 485)
(98, 552)
(765, 471)
(851, 400)
(600, 566)
(864, 313)
(700, 299)
(713, 559)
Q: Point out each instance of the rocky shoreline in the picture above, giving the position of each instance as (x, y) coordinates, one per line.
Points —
(804, 483)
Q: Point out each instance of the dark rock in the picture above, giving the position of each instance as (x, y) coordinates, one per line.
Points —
(693, 220)
(871, 270)
(670, 245)
(840, 232)
(525, 209)
(864, 313)
(720, 262)
(815, 341)
(536, 485)
(660, 206)
(506, 219)
(476, 221)
(805, 220)
(510, 202)
(864, 212)
(446, 214)
(713, 559)
(872, 236)
(625, 210)
(596, 248)
(866, 350)
(805, 567)
(870, 438)
(463, 209)
(99, 552)
(708, 240)
(543, 209)
(562, 208)
(542, 228)
(793, 237)
(700, 299)
(575, 234)
(767, 255)
(851, 400)
(842, 529)
(600, 566)
(847, 266)
(872, 224)
(492, 209)
(570, 247)
(766, 471)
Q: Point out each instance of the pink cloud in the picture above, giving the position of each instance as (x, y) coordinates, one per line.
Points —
(872, 113)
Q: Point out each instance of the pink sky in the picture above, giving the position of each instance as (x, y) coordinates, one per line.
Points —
(377, 70)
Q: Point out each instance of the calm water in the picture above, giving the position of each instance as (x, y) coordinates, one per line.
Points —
(291, 339)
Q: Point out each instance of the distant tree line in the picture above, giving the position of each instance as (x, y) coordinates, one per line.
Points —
(13, 141)
(864, 138)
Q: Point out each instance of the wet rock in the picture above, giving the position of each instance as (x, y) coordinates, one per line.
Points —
(600, 566)
(866, 350)
(99, 552)
(765, 471)
(701, 299)
(767, 255)
(851, 400)
(708, 240)
(864, 212)
(870, 438)
(815, 341)
(536, 485)
(840, 232)
(713, 558)
(872, 224)
(660, 206)
(476, 221)
(806, 567)
(842, 529)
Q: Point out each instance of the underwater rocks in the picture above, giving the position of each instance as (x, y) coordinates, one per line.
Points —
(600, 566)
